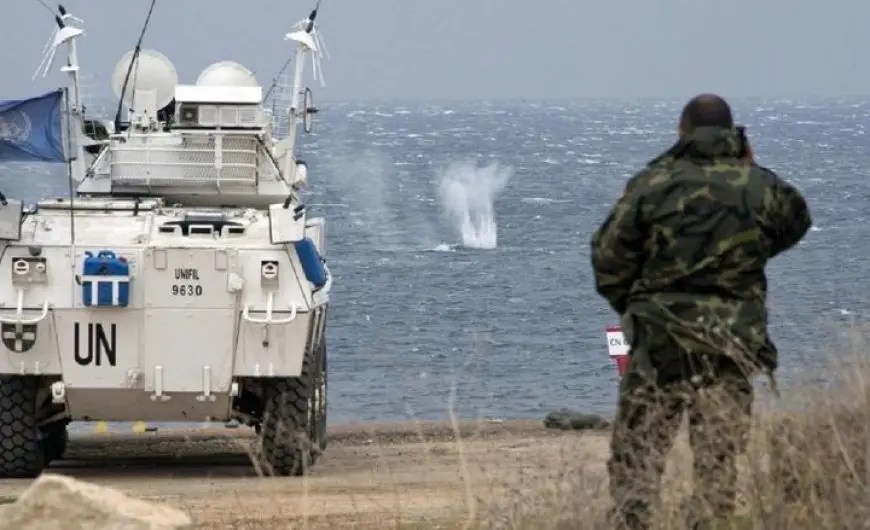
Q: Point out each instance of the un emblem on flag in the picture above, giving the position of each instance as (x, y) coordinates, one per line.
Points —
(18, 337)
(15, 125)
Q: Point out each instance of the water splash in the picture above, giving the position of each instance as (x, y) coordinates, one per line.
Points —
(467, 194)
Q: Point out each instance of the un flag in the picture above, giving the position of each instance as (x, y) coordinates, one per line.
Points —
(31, 129)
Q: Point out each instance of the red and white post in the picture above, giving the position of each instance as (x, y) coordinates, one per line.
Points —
(617, 348)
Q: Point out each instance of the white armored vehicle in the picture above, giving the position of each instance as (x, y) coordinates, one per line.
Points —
(182, 280)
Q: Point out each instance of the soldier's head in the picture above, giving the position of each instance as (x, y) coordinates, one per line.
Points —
(705, 110)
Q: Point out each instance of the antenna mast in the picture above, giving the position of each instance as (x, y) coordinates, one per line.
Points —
(133, 61)
(65, 33)
(308, 37)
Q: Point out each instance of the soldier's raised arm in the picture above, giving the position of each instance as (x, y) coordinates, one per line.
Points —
(617, 248)
(787, 218)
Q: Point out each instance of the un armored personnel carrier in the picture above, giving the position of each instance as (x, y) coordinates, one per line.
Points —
(181, 280)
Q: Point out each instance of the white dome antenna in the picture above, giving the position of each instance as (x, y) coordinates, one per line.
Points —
(226, 73)
(152, 71)
(151, 86)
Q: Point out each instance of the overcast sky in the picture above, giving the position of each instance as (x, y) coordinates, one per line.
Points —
(481, 49)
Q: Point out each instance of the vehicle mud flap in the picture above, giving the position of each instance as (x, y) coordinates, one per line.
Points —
(320, 434)
(54, 443)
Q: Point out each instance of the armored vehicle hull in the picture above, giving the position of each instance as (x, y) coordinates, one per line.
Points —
(181, 280)
(191, 315)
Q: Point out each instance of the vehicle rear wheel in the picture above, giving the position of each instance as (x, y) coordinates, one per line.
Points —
(21, 454)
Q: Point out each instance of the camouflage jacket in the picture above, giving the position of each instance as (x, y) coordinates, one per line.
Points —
(685, 246)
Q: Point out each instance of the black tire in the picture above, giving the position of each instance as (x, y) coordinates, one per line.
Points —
(21, 453)
(54, 442)
(289, 440)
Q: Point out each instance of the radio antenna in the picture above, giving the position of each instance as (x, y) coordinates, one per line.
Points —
(133, 60)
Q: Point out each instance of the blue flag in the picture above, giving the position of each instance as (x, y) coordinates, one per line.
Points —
(31, 129)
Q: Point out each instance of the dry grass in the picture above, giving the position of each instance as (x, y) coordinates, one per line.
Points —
(805, 469)
(808, 468)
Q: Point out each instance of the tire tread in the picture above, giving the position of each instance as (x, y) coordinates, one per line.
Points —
(21, 454)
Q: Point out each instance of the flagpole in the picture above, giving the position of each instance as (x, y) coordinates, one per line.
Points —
(70, 179)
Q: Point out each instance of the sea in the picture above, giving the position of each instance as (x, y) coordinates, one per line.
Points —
(458, 234)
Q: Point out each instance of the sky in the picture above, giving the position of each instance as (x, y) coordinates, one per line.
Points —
(478, 49)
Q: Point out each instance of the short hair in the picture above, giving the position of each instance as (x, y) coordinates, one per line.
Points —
(706, 110)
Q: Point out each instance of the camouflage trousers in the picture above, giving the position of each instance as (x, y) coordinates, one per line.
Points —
(662, 383)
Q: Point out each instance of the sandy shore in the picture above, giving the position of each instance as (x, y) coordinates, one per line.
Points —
(370, 476)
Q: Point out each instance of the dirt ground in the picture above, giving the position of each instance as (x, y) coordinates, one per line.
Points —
(372, 476)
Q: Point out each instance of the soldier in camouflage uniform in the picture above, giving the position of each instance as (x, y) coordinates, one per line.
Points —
(681, 259)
